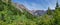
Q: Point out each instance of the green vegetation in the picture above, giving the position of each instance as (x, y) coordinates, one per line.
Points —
(49, 11)
(9, 15)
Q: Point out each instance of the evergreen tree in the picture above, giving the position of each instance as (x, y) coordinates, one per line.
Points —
(57, 5)
(49, 11)
(57, 14)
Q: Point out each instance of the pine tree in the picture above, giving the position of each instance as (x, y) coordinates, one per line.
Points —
(57, 5)
(57, 14)
(49, 11)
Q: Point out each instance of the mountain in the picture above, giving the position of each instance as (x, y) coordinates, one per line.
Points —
(40, 12)
(22, 8)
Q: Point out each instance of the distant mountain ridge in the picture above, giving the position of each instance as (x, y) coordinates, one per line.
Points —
(22, 8)
(40, 12)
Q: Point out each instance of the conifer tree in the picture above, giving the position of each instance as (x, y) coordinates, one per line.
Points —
(49, 11)
(57, 14)
(57, 5)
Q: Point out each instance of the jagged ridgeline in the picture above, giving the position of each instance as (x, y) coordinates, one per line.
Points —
(9, 12)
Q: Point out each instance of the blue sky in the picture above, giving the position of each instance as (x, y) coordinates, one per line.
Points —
(37, 4)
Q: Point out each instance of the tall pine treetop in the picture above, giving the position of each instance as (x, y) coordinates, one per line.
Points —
(57, 5)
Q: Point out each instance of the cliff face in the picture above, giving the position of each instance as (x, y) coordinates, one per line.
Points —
(22, 8)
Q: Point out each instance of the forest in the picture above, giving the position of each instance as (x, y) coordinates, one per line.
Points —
(9, 15)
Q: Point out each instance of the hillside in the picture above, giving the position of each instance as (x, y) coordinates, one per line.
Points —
(17, 14)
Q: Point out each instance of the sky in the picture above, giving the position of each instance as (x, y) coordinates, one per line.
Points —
(37, 4)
